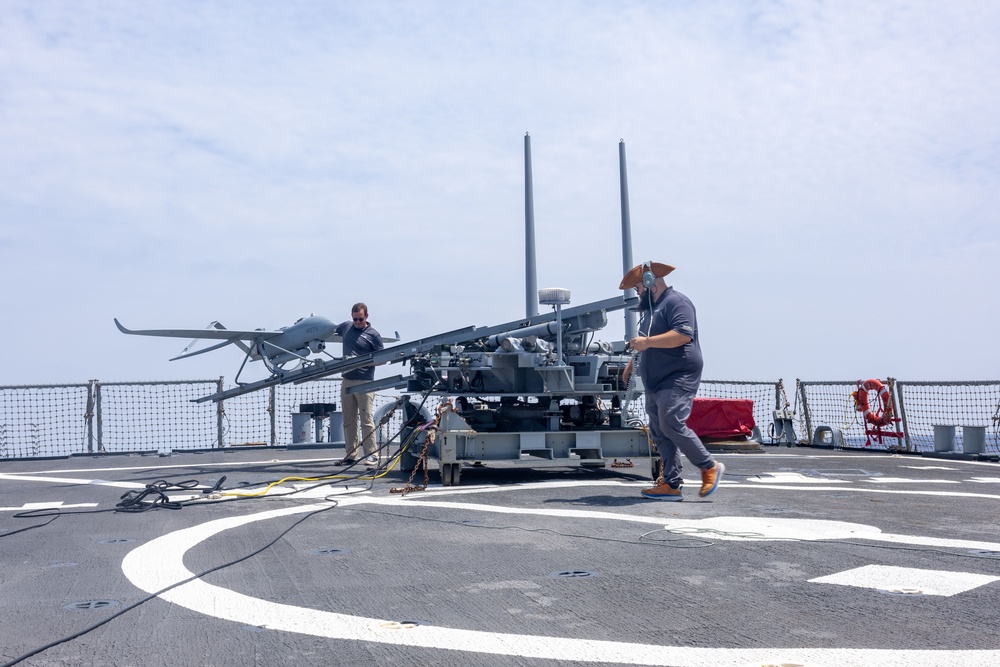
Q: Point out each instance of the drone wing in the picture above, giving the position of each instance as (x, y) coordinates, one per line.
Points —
(219, 332)
(229, 335)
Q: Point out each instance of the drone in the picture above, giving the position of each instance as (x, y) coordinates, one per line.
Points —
(281, 351)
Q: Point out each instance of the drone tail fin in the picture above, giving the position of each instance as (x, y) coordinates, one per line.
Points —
(215, 324)
(185, 354)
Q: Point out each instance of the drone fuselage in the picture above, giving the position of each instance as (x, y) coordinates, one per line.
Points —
(295, 342)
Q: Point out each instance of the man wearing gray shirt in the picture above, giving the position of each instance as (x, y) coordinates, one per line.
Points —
(669, 363)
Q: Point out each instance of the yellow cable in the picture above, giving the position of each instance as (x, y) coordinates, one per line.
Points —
(393, 462)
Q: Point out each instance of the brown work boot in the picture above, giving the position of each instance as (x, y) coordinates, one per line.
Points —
(662, 491)
(710, 478)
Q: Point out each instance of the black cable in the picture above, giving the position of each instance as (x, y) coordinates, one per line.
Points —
(31, 514)
(683, 538)
(217, 486)
(151, 596)
(328, 479)
(136, 501)
(382, 447)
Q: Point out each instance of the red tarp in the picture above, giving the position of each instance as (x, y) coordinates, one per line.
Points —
(721, 418)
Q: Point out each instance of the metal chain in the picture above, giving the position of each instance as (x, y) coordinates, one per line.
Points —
(429, 437)
(630, 392)
(421, 463)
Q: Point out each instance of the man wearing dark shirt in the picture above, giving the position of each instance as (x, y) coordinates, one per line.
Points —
(670, 362)
(358, 337)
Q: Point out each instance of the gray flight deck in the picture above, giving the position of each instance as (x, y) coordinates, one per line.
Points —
(801, 557)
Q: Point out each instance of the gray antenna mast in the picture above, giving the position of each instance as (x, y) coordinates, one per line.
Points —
(530, 276)
(630, 327)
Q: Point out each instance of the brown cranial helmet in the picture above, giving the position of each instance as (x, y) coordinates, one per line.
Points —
(634, 277)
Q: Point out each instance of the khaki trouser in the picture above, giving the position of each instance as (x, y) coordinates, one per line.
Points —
(354, 406)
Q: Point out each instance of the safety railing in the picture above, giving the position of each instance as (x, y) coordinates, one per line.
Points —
(38, 421)
(958, 417)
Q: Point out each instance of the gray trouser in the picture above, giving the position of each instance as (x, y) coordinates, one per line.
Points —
(355, 406)
(668, 410)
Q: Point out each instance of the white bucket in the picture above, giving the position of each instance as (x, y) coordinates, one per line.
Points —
(302, 428)
(973, 439)
(944, 438)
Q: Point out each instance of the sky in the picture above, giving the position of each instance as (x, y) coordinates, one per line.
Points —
(825, 176)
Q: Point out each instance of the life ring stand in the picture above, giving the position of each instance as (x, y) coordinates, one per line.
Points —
(883, 415)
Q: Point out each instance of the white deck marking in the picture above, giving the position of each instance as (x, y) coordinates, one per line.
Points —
(739, 528)
(791, 478)
(57, 504)
(908, 580)
(861, 489)
(192, 464)
(775, 528)
(904, 480)
(160, 563)
(72, 480)
(493, 488)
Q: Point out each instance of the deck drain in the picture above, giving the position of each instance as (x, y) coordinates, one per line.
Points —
(90, 605)
(120, 540)
(573, 574)
(330, 552)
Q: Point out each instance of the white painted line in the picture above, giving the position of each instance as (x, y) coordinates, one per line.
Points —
(160, 563)
(908, 580)
(860, 489)
(925, 541)
(985, 480)
(792, 478)
(860, 456)
(27, 507)
(493, 488)
(192, 464)
(72, 480)
(741, 528)
(776, 528)
(904, 480)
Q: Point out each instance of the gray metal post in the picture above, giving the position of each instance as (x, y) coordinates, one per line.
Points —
(559, 335)
(90, 416)
(270, 411)
(902, 414)
(100, 419)
(630, 326)
(530, 277)
(219, 412)
(805, 409)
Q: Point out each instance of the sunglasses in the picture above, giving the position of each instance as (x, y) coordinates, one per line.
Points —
(359, 319)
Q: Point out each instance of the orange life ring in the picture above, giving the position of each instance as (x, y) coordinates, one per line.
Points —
(881, 417)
